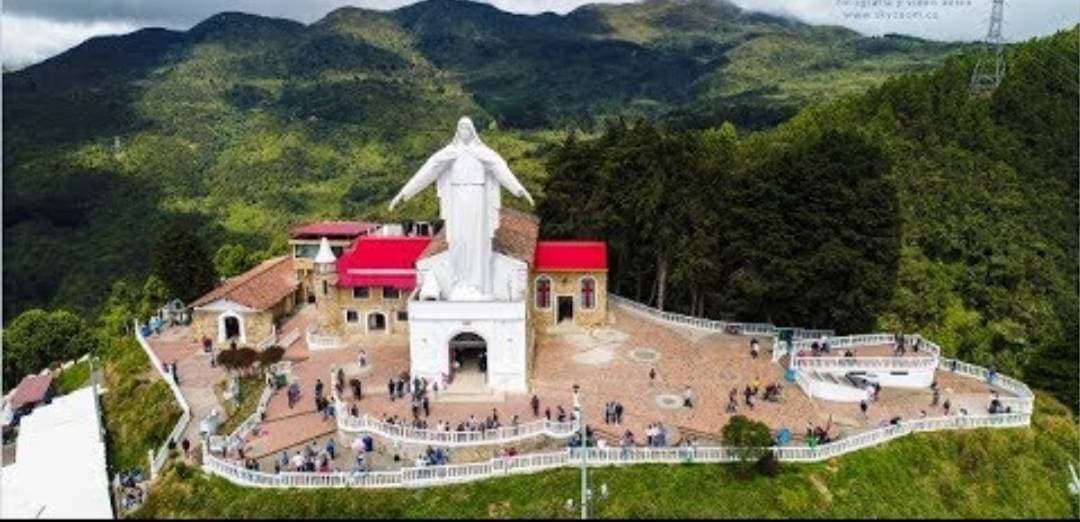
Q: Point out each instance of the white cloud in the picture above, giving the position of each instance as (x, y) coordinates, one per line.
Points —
(30, 39)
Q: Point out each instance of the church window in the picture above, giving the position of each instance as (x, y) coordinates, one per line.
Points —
(360, 292)
(543, 292)
(402, 316)
(588, 293)
(390, 292)
(351, 316)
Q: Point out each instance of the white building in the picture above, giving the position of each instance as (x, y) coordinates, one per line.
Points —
(59, 470)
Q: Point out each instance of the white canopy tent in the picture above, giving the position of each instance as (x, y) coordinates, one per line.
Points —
(59, 469)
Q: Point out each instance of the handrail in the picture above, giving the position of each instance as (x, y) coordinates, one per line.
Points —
(767, 329)
(456, 473)
(408, 435)
(1025, 398)
(849, 342)
(255, 418)
(321, 342)
(157, 459)
(289, 338)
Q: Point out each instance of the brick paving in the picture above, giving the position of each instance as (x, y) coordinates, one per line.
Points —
(606, 363)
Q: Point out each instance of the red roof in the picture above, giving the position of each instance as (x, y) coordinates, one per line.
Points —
(569, 256)
(334, 229)
(382, 261)
(31, 389)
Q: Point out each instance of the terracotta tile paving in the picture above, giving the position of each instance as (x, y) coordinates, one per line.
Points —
(602, 362)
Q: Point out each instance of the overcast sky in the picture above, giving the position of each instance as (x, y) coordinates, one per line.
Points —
(33, 30)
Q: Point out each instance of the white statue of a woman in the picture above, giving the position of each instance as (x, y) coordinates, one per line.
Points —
(469, 175)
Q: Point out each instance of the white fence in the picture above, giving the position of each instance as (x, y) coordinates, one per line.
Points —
(254, 419)
(405, 434)
(1024, 402)
(457, 473)
(321, 342)
(288, 339)
(852, 342)
(737, 328)
(157, 460)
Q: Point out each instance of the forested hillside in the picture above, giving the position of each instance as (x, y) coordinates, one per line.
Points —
(913, 207)
(244, 125)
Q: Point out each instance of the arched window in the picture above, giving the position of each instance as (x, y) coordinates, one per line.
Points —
(588, 293)
(543, 292)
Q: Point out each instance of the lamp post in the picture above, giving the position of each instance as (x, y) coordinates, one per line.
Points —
(580, 413)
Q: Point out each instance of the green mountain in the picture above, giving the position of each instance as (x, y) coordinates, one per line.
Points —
(244, 125)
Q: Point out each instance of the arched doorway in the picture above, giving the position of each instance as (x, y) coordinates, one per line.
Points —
(468, 361)
(232, 327)
(376, 322)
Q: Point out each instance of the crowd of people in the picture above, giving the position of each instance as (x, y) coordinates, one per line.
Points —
(310, 458)
(613, 412)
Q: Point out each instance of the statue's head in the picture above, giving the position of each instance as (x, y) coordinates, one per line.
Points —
(466, 132)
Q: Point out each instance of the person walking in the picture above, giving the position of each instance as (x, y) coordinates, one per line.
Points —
(390, 389)
(426, 406)
(535, 403)
(652, 376)
(688, 398)
(863, 406)
(618, 412)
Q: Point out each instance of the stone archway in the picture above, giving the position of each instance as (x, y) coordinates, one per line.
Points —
(468, 361)
(231, 327)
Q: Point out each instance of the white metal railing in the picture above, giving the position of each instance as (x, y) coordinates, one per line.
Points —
(288, 339)
(850, 342)
(267, 342)
(455, 473)
(253, 420)
(765, 329)
(157, 459)
(1024, 401)
(409, 435)
(321, 342)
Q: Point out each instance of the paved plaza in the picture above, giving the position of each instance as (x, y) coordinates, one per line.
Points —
(608, 363)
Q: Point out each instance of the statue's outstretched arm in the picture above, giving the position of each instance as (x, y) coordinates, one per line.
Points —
(427, 174)
(501, 171)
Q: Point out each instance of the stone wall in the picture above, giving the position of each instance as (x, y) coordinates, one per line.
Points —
(569, 284)
(255, 326)
(375, 302)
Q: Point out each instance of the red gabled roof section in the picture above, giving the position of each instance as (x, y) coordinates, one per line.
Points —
(571, 256)
(382, 261)
(260, 288)
(32, 389)
(333, 229)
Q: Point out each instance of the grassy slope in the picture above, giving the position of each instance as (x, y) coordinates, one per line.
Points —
(986, 473)
(140, 411)
(250, 391)
(73, 378)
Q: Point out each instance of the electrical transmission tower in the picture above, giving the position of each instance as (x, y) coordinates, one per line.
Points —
(985, 78)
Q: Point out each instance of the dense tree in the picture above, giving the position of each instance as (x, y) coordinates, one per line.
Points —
(232, 260)
(180, 259)
(38, 338)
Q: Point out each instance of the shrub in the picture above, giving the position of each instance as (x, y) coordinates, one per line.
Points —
(271, 356)
(750, 439)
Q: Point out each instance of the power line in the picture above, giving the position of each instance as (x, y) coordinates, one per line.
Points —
(983, 78)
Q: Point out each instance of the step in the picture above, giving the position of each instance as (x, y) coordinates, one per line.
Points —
(449, 397)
